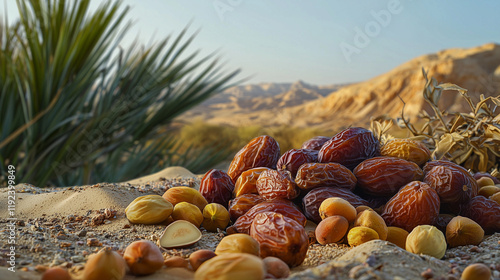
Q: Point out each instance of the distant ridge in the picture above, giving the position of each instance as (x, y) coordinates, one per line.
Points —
(336, 106)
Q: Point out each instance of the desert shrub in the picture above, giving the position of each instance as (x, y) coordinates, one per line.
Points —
(76, 107)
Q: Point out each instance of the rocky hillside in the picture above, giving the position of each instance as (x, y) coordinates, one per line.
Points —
(300, 104)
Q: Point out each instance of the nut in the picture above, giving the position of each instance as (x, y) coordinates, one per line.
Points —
(462, 231)
(143, 257)
(215, 216)
(239, 266)
(428, 240)
(185, 194)
(331, 230)
(187, 212)
(371, 219)
(106, 264)
(238, 243)
(148, 209)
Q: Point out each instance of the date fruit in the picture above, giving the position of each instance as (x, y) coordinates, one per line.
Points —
(315, 143)
(281, 237)
(291, 160)
(485, 212)
(273, 184)
(240, 205)
(313, 175)
(262, 151)
(406, 149)
(313, 199)
(384, 176)
(247, 182)
(454, 186)
(414, 204)
(350, 147)
(217, 187)
(279, 205)
(433, 163)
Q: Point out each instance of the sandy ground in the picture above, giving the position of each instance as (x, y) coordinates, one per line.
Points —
(63, 226)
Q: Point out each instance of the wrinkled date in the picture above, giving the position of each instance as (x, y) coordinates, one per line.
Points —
(315, 197)
(282, 206)
(384, 176)
(313, 175)
(414, 204)
(273, 184)
(291, 160)
(407, 149)
(455, 186)
(315, 143)
(433, 163)
(485, 212)
(262, 151)
(350, 147)
(247, 182)
(281, 237)
(217, 187)
(240, 205)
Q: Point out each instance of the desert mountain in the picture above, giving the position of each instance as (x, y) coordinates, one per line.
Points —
(476, 69)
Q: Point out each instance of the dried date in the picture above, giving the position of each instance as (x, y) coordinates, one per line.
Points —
(262, 151)
(247, 181)
(240, 205)
(315, 143)
(313, 175)
(384, 176)
(217, 187)
(273, 184)
(350, 147)
(291, 160)
(485, 212)
(407, 149)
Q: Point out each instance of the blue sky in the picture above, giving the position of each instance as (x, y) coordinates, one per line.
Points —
(319, 42)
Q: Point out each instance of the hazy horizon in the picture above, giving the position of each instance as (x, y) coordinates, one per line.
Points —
(320, 43)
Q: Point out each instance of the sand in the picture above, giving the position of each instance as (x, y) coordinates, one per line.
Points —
(61, 227)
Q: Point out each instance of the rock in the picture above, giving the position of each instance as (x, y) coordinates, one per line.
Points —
(380, 258)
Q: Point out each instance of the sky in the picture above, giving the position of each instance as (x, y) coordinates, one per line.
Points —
(318, 42)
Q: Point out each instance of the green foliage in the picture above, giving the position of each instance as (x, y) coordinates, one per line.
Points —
(76, 108)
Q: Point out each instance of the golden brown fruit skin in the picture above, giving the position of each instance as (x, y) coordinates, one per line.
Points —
(56, 273)
(406, 149)
(185, 194)
(262, 151)
(313, 199)
(462, 231)
(397, 236)
(360, 234)
(371, 219)
(105, 264)
(198, 257)
(281, 206)
(148, 209)
(331, 230)
(247, 182)
(143, 257)
(476, 271)
(454, 186)
(280, 237)
(217, 187)
(276, 267)
(238, 243)
(313, 175)
(414, 204)
(350, 147)
(273, 184)
(240, 205)
(337, 206)
(384, 176)
(238, 266)
(215, 216)
(187, 212)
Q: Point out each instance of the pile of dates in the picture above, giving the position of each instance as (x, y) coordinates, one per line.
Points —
(271, 196)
